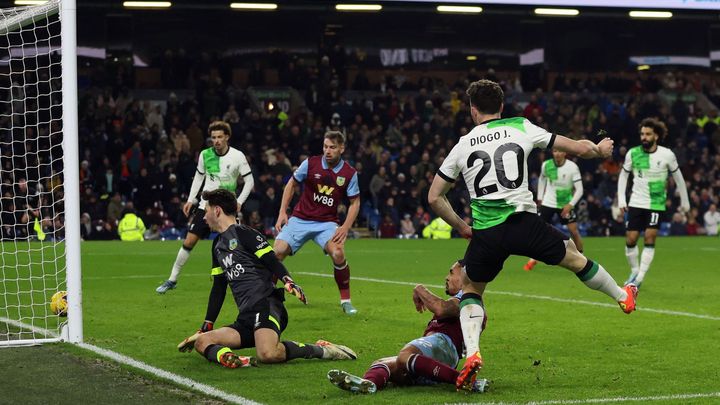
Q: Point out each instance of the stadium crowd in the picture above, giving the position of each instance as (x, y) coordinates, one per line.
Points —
(138, 155)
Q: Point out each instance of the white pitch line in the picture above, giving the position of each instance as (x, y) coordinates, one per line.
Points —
(673, 397)
(538, 297)
(158, 372)
(184, 381)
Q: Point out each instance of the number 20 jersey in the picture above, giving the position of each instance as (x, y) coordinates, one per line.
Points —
(493, 161)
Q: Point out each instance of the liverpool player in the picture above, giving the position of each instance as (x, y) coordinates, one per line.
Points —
(429, 359)
(327, 179)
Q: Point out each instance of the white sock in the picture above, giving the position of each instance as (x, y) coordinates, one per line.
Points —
(597, 278)
(648, 254)
(182, 257)
(472, 315)
(632, 254)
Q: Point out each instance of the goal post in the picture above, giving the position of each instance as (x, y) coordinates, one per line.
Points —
(39, 166)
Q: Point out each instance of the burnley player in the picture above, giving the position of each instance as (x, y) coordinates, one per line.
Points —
(244, 260)
(429, 359)
(327, 179)
(218, 167)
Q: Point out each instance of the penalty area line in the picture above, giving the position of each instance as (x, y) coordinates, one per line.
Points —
(537, 297)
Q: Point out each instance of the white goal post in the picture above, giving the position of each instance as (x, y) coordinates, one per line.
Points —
(39, 168)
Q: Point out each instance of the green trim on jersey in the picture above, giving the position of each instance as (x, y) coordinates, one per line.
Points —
(640, 158)
(563, 196)
(551, 170)
(488, 213)
(658, 195)
(516, 122)
(211, 161)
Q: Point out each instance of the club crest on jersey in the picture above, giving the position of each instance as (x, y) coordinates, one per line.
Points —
(340, 181)
(232, 244)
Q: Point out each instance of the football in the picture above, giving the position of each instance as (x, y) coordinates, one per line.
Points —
(58, 303)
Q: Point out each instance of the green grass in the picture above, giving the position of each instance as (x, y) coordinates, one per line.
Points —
(535, 349)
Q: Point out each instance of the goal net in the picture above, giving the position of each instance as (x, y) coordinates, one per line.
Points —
(39, 249)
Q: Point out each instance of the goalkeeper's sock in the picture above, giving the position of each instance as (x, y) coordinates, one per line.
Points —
(378, 374)
(423, 366)
(182, 257)
(342, 279)
(295, 350)
(213, 352)
(597, 278)
(472, 316)
(648, 254)
(632, 253)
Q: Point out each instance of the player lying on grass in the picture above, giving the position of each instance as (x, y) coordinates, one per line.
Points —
(244, 260)
(430, 359)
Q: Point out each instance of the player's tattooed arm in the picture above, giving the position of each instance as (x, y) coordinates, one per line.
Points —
(439, 307)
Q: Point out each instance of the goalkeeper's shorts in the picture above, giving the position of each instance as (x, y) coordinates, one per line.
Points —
(268, 313)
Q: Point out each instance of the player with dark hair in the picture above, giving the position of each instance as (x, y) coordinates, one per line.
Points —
(649, 163)
(327, 179)
(219, 167)
(244, 260)
(492, 159)
(559, 190)
(430, 359)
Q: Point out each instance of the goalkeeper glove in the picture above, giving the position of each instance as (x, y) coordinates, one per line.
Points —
(189, 342)
(294, 289)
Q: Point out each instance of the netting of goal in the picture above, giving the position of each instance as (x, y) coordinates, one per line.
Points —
(39, 242)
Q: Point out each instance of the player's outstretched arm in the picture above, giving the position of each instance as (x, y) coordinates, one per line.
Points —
(584, 148)
(272, 263)
(440, 204)
(287, 195)
(439, 307)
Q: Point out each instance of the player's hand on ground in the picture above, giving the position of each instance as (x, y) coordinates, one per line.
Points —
(187, 207)
(281, 221)
(565, 213)
(340, 235)
(294, 289)
(606, 147)
(189, 342)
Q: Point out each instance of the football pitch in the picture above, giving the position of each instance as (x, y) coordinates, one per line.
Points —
(549, 339)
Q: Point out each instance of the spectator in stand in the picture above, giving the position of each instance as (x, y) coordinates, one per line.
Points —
(407, 229)
(388, 229)
(711, 219)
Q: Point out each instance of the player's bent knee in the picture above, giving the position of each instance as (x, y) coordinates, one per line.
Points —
(270, 355)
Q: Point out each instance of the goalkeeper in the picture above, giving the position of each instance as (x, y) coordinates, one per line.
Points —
(244, 260)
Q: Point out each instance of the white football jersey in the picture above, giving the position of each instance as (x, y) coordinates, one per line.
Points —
(650, 172)
(493, 161)
(221, 171)
(560, 183)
